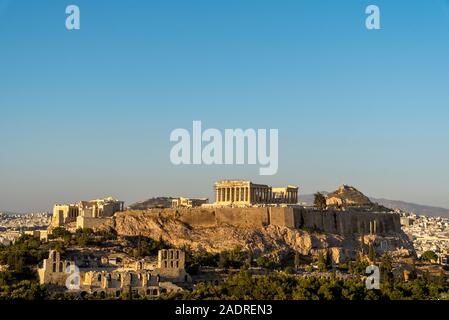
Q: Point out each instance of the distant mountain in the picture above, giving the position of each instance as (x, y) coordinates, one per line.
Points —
(393, 204)
(413, 207)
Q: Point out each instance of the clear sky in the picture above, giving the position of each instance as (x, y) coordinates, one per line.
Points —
(88, 113)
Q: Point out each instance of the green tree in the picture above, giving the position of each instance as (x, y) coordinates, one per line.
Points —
(386, 270)
(429, 256)
(265, 262)
(232, 259)
(297, 260)
(322, 262)
(319, 201)
(371, 253)
(60, 232)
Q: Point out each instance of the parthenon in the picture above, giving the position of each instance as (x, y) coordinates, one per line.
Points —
(242, 192)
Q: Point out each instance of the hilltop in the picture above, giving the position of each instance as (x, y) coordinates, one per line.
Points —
(348, 196)
(277, 241)
(419, 209)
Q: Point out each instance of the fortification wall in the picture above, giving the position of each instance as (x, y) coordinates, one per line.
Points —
(347, 222)
(335, 222)
(211, 217)
(92, 223)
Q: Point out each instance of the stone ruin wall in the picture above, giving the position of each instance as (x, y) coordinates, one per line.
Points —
(328, 221)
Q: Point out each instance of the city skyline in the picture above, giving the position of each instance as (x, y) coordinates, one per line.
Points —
(88, 113)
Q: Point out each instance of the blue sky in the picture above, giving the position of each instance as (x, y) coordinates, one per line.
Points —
(88, 113)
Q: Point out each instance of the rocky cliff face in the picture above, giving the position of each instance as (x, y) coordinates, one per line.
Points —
(278, 241)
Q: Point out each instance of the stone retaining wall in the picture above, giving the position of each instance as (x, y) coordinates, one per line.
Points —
(328, 221)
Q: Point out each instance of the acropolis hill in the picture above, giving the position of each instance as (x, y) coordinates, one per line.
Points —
(263, 219)
(324, 221)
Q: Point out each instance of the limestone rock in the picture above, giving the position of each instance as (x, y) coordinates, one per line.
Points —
(277, 241)
(347, 196)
